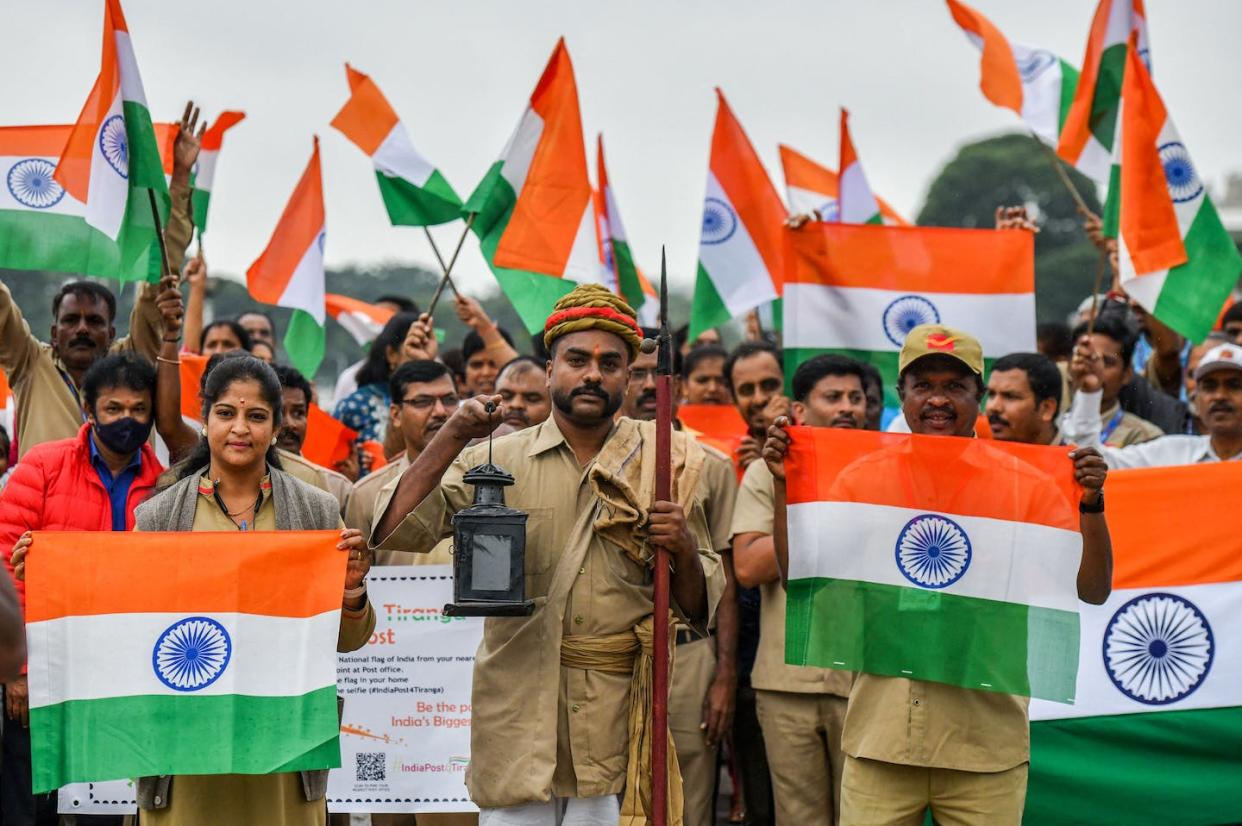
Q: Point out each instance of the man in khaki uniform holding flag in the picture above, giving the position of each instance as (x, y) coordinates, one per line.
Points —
(914, 745)
(561, 700)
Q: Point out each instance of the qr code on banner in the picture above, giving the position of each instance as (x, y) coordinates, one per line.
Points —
(370, 766)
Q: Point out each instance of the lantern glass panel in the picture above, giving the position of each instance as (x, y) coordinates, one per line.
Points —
(491, 562)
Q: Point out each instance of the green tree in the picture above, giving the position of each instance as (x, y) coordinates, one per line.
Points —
(1015, 170)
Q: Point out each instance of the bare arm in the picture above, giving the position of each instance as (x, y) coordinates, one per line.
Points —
(179, 436)
(18, 347)
(755, 559)
(718, 705)
(196, 275)
(1095, 571)
(473, 315)
(470, 421)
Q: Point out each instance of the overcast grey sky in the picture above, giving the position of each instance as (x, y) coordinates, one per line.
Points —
(459, 74)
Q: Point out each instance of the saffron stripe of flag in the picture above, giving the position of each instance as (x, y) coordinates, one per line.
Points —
(534, 211)
(1176, 257)
(415, 192)
(1090, 126)
(110, 661)
(43, 227)
(858, 290)
(361, 320)
(290, 273)
(1155, 732)
(740, 243)
(811, 187)
(1036, 84)
(941, 559)
(205, 169)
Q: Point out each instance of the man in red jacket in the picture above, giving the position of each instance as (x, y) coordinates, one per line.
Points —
(91, 482)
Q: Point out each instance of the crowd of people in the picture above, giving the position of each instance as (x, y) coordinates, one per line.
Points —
(101, 445)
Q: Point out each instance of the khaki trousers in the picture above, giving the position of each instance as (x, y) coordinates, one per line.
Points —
(875, 793)
(803, 737)
(694, 668)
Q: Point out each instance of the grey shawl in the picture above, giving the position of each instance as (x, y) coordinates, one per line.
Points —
(299, 507)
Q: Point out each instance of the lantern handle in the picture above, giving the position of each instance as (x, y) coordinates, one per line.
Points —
(489, 407)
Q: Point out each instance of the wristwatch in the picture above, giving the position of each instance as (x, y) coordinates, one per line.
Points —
(1098, 507)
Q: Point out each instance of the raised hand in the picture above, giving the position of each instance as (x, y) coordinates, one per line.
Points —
(471, 313)
(360, 556)
(1015, 217)
(1086, 368)
(420, 342)
(172, 311)
(189, 141)
(474, 418)
(776, 447)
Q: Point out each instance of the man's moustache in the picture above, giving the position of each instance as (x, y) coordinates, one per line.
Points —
(589, 390)
(1221, 407)
(998, 421)
(647, 397)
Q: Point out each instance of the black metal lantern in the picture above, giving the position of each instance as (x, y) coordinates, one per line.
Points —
(489, 550)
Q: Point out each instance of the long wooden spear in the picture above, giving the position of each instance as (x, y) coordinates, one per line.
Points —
(664, 493)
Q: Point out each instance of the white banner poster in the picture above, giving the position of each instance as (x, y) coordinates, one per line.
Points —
(405, 730)
(405, 733)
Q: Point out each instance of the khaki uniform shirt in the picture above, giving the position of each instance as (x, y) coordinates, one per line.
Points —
(389, 475)
(361, 512)
(754, 514)
(538, 729)
(335, 483)
(716, 492)
(48, 406)
(1129, 430)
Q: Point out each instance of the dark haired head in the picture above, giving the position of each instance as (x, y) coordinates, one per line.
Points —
(473, 343)
(522, 363)
(292, 379)
(452, 359)
(1115, 324)
(418, 371)
(744, 351)
(240, 332)
(263, 313)
(700, 354)
(403, 304)
(126, 370)
(85, 289)
(1232, 315)
(5, 444)
(1053, 339)
(376, 369)
(811, 371)
(1041, 373)
(217, 379)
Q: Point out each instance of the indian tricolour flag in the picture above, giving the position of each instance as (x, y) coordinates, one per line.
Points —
(1090, 126)
(155, 654)
(858, 204)
(415, 192)
(533, 210)
(43, 227)
(614, 243)
(289, 272)
(361, 320)
(1036, 84)
(858, 290)
(934, 558)
(1155, 733)
(205, 169)
(813, 188)
(110, 162)
(740, 244)
(1176, 257)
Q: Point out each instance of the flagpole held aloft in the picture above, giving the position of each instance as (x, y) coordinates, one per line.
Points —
(448, 270)
(165, 267)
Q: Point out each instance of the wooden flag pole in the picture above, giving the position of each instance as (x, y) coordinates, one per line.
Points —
(165, 267)
(448, 270)
(663, 493)
(439, 258)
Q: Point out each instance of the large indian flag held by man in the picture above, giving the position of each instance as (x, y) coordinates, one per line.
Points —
(811, 187)
(857, 290)
(1176, 257)
(208, 158)
(533, 211)
(1090, 126)
(1036, 84)
(415, 193)
(43, 227)
(1155, 734)
(223, 662)
(740, 244)
(289, 272)
(934, 558)
(110, 161)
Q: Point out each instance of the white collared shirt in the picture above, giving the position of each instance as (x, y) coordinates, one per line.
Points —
(1082, 425)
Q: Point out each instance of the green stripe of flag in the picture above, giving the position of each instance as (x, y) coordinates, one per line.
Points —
(32, 240)
(408, 205)
(964, 641)
(304, 342)
(1194, 292)
(118, 737)
(1069, 85)
(1100, 769)
(627, 274)
(708, 309)
(1106, 97)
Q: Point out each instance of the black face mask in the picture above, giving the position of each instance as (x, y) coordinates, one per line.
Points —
(124, 436)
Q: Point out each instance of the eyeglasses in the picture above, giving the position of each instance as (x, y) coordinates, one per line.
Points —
(427, 402)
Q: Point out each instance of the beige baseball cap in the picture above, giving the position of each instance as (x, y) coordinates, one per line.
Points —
(938, 340)
(1221, 357)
